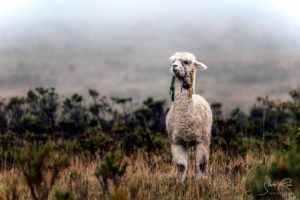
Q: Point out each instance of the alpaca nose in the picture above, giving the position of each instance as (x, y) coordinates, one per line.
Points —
(174, 66)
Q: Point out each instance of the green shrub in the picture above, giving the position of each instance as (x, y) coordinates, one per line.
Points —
(254, 145)
(94, 142)
(142, 138)
(159, 142)
(286, 165)
(255, 182)
(112, 167)
(70, 127)
(15, 113)
(151, 115)
(36, 138)
(73, 147)
(3, 119)
(63, 195)
(42, 109)
(91, 144)
(279, 179)
(273, 141)
(41, 167)
(74, 117)
(35, 126)
(8, 143)
(295, 138)
(230, 143)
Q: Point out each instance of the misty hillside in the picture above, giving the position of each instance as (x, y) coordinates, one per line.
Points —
(126, 53)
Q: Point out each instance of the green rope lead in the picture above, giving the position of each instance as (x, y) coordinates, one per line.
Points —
(172, 88)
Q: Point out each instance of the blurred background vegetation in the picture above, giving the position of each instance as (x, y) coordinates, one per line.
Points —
(42, 132)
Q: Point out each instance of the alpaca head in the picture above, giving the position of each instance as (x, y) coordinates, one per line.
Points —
(183, 64)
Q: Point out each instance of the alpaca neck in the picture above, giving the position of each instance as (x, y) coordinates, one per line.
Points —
(183, 107)
(182, 100)
(184, 95)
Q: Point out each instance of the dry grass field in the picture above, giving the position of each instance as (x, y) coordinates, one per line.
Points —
(147, 178)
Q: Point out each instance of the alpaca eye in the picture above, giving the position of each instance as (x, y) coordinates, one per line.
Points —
(185, 62)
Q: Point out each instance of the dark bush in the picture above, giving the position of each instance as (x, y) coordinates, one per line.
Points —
(255, 183)
(15, 113)
(63, 195)
(42, 108)
(74, 115)
(41, 166)
(95, 143)
(112, 167)
(141, 138)
(278, 179)
(229, 140)
(287, 166)
(8, 143)
(151, 115)
(3, 119)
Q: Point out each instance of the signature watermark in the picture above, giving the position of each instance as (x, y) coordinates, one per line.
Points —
(282, 187)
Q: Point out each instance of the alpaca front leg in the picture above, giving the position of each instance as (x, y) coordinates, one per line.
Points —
(202, 156)
(180, 158)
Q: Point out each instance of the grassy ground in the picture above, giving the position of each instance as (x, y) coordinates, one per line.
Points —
(147, 177)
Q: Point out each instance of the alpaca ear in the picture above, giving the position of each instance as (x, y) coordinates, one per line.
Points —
(172, 58)
(199, 65)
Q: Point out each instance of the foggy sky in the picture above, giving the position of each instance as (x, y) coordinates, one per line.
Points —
(122, 48)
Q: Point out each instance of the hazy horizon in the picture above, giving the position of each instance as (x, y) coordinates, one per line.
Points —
(122, 48)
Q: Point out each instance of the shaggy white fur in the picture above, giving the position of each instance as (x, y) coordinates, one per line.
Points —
(189, 120)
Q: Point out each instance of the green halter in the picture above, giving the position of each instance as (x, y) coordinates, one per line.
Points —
(171, 92)
(188, 87)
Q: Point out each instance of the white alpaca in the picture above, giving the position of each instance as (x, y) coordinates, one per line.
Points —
(189, 119)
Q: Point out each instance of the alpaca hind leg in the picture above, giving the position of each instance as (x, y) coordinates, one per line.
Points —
(202, 156)
(180, 158)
